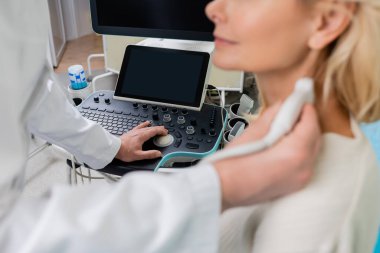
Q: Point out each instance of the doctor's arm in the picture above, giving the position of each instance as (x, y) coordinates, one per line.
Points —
(57, 121)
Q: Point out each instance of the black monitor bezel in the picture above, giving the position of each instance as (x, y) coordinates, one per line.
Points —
(197, 103)
(141, 32)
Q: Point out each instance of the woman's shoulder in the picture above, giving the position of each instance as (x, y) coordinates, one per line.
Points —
(342, 198)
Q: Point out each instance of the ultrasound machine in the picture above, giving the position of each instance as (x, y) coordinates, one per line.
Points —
(161, 81)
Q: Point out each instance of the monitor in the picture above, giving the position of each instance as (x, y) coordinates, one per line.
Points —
(168, 77)
(169, 19)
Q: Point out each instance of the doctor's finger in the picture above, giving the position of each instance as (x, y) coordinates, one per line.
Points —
(150, 154)
(142, 125)
(150, 132)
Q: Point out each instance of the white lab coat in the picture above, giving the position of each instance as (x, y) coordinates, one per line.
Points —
(144, 212)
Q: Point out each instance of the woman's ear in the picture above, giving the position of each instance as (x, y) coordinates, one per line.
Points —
(331, 20)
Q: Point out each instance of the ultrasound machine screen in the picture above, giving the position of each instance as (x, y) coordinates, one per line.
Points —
(163, 76)
(175, 19)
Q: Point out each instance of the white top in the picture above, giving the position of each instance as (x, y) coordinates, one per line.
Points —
(339, 211)
(144, 212)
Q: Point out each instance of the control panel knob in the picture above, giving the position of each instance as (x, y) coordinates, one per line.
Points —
(185, 112)
(96, 99)
(212, 132)
(155, 116)
(190, 130)
(193, 122)
(107, 101)
(181, 120)
(167, 118)
(154, 107)
(174, 110)
(135, 105)
(164, 109)
(145, 106)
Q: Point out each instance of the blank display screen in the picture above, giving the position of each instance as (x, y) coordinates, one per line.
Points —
(163, 75)
(180, 15)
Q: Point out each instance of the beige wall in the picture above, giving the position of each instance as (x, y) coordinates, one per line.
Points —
(114, 47)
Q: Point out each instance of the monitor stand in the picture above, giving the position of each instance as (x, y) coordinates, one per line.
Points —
(190, 45)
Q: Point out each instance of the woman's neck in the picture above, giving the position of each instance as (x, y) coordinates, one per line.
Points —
(278, 85)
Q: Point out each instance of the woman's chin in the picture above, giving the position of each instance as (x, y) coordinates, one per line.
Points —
(224, 63)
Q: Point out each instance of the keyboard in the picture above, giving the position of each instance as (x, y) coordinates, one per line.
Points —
(115, 122)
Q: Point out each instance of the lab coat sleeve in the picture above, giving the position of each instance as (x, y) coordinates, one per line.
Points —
(54, 119)
(144, 212)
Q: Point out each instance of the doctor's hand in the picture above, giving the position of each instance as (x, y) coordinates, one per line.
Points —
(132, 142)
(279, 170)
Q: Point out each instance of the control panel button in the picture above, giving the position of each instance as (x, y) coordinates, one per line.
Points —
(178, 134)
(181, 120)
(190, 145)
(177, 143)
(167, 118)
(163, 141)
(190, 130)
(145, 107)
(154, 107)
(174, 110)
(96, 99)
(212, 132)
(107, 101)
(184, 112)
(164, 109)
(135, 105)
(155, 116)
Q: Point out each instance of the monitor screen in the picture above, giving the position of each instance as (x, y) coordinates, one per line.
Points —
(163, 76)
(171, 19)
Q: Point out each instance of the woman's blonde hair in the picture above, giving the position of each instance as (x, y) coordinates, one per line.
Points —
(352, 69)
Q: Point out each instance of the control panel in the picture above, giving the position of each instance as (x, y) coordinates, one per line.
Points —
(192, 134)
